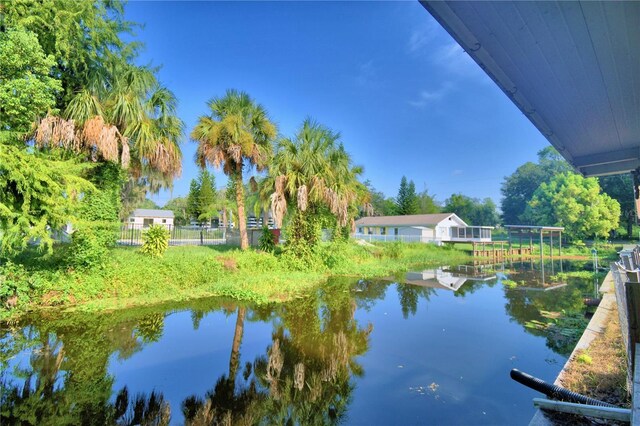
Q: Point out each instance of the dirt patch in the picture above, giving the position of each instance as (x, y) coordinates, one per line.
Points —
(229, 264)
(54, 298)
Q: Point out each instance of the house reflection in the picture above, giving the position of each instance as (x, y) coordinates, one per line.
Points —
(450, 278)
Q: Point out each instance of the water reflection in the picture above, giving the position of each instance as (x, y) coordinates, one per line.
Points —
(304, 376)
(450, 278)
(58, 368)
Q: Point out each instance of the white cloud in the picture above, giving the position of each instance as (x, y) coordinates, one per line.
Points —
(423, 35)
(452, 57)
(366, 73)
(457, 172)
(427, 96)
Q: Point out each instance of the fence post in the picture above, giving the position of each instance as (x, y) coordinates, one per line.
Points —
(131, 243)
(201, 238)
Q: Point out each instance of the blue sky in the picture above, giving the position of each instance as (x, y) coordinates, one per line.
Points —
(405, 97)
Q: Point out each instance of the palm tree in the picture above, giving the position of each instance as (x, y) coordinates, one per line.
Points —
(314, 170)
(125, 117)
(237, 133)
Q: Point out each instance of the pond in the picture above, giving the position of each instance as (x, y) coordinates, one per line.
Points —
(428, 347)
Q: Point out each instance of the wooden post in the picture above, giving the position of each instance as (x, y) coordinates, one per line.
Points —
(560, 242)
(520, 240)
(551, 243)
(541, 246)
(530, 243)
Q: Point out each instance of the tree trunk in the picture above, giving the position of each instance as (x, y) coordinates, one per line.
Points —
(242, 218)
(234, 361)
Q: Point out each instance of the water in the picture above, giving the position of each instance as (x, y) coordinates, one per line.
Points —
(436, 351)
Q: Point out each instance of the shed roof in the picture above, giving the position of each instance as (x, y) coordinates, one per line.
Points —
(572, 68)
(152, 213)
(406, 220)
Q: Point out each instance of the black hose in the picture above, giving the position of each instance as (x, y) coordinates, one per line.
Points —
(555, 392)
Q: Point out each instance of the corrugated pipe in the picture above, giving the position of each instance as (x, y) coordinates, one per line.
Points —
(555, 392)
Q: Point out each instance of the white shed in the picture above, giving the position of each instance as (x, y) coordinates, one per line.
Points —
(147, 217)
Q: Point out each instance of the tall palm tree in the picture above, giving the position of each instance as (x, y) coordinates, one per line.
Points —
(312, 170)
(237, 133)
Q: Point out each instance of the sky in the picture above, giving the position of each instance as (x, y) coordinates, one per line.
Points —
(406, 99)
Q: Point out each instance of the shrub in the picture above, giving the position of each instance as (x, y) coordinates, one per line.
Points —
(90, 243)
(251, 260)
(301, 257)
(267, 240)
(334, 255)
(17, 285)
(584, 358)
(155, 241)
(393, 250)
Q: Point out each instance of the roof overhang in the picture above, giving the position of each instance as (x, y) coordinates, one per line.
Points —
(572, 68)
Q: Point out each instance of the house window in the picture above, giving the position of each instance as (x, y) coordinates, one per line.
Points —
(383, 230)
(132, 219)
(360, 230)
(164, 220)
(369, 231)
(395, 231)
(147, 222)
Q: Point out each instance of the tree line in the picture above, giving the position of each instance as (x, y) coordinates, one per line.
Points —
(86, 134)
(472, 210)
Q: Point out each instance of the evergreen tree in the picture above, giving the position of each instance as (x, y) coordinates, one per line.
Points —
(206, 195)
(407, 199)
(412, 199)
(192, 200)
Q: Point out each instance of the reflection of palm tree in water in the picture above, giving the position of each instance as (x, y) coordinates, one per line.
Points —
(235, 347)
(304, 378)
(223, 404)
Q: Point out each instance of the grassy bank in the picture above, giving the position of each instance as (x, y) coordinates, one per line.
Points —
(601, 371)
(128, 278)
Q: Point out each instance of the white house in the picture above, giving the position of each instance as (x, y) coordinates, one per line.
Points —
(147, 217)
(434, 228)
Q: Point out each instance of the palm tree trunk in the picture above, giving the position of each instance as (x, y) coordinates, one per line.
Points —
(242, 218)
(234, 361)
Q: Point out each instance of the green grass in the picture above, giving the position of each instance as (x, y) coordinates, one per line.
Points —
(127, 278)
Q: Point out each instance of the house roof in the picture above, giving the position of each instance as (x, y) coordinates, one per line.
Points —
(406, 220)
(152, 213)
(572, 68)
